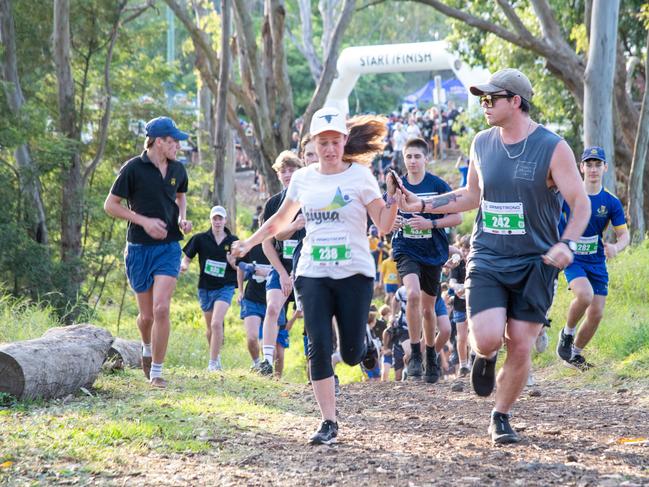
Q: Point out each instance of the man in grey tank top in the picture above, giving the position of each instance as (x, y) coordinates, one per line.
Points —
(518, 173)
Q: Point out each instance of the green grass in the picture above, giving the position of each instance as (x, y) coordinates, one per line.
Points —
(125, 419)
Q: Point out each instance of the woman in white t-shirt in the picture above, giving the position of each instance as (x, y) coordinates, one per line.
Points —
(335, 273)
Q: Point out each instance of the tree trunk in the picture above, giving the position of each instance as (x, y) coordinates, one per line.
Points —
(638, 166)
(55, 365)
(124, 354)
(598, 83)
(28, 172)
(220, 123)
(72, 180)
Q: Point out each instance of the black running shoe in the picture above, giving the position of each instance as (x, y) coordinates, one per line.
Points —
(432, 371)
(500, 429)
(264, 368)
(579, 362)
(336, 385)
(326, 435)
(414, 367)
(463, 372)
(483, 375)
(564, 346)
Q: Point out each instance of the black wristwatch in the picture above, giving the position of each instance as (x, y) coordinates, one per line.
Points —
(572, 245)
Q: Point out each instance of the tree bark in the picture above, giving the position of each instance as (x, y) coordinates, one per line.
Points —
(220, 123)
(72, 180)
(28, 172)
(331, 60)
(638, 166)
(598, 83)
(55, 365)
(124, 354)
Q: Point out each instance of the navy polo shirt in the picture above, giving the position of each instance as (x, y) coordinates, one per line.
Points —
(148, 194)
(216, 272)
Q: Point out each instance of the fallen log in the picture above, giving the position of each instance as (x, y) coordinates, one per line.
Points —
(124, 353)
(55, 365)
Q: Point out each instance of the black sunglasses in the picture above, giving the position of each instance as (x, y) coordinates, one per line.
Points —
(490, 99)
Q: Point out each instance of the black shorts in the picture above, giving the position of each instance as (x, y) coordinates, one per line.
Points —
(428, 274)
(526, 293)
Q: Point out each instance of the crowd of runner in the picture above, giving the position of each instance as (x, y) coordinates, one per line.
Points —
(373, 264)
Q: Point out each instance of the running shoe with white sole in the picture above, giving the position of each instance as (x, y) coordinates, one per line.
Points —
(501, 431)
(264, 368)
(579, 362)
(326, 435)
(564, 346)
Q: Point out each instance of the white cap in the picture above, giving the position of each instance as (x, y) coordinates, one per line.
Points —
(328, 118)
(218, 210)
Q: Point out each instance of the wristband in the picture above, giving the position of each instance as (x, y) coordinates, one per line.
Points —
(423, 205)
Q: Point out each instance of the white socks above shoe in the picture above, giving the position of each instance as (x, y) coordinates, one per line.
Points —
(156, 370)
(576, 351)
(569, 331)
(146, 349)
(269, 353)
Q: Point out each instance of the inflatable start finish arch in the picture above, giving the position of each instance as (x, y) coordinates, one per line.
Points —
(394, 58)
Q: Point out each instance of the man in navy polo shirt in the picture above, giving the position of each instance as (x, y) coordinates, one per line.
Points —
(154, 186)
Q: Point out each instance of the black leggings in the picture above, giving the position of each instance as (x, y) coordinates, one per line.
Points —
(349, 301)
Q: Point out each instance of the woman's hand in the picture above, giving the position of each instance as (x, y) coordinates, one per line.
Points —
(239, 248)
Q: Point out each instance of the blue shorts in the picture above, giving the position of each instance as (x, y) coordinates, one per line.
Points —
(391, 288)
(440, 307)
(375, 373)
(305, 340)
(143, 262)
(596, 274)
(272, 281)
(207, 297)
(387, 359)
(459, 316)
(252, 308)
(282, 336)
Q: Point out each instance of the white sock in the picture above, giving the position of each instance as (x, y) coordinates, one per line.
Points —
(213, 363)
(575, 351)
(269, 353)
(256, 361)
(156, 370)
(146, 349)
(569, 331)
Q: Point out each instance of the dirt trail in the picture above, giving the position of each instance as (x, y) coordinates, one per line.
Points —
(416, 434)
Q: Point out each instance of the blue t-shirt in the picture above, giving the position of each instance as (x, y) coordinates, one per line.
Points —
(429, 247)
(606, 208)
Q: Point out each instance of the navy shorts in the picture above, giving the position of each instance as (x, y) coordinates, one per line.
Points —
(459, 316)
(440, 307)
(596, 274)
(143, 262)
(387, 359)
(282, 336)
(252, 308)
(207, 297)
(391, 288)
(375, 373)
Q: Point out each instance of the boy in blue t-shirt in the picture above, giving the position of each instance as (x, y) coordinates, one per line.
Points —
(420, 249)
(587, 275)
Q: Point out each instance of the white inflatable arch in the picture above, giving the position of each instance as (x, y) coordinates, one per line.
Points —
(393, 58)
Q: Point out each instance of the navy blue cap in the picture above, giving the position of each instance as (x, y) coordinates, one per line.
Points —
(164, 127)
(593, 153)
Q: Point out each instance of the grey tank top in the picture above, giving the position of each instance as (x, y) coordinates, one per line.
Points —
(518, 217)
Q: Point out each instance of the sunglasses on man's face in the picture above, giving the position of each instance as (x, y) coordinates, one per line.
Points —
(490, 99)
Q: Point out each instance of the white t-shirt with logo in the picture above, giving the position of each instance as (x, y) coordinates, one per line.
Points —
(333, 205)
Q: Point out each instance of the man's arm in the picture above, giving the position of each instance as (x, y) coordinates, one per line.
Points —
(184, 224)
(184, 264)
(565, 177)
(154, 227)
